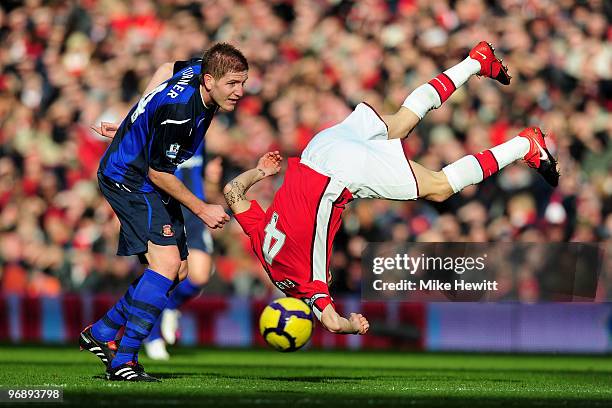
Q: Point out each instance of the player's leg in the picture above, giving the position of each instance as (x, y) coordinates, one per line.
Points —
(132, 211)
(99, 338)
(200, 268)
(155, 344)
(107, 327)
(166, 251)
(149, 298)
(529, 145)
(432, 185)
(384, 170)
(480, 61)
(200, 244)
(200, 262)
(194, 276)
(200, 271)
(102, 334)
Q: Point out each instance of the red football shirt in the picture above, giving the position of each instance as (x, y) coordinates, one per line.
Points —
(293, 238)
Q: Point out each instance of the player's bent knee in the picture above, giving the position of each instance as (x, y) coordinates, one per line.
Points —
(439, 196)
(168, 266)
(439, 188)
(199, 280)
(164, 257)
(200, 267)
(436, 197)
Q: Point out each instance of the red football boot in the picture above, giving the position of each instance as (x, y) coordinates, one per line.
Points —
(539, 157)
(490, 65)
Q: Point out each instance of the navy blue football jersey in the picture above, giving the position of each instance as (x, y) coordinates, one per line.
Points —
(164, 129)
(191, 172)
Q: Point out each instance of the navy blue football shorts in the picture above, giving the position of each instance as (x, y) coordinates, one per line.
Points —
(144, 217)
(198, 235)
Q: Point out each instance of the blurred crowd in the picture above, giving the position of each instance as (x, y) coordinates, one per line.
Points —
(68, 64)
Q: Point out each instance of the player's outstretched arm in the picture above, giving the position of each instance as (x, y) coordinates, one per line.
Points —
(234, 191)
(332, 321)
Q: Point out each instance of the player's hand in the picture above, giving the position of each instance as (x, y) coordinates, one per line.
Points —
(359, 323)
(214, 216)
(106, 129)
(270, 163)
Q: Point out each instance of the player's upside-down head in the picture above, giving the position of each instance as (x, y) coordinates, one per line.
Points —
(224, 73)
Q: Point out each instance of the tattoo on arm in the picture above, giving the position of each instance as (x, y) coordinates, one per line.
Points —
(261, 172)
(236, 193)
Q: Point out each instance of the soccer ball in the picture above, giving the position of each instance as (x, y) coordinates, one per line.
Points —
(286, 324)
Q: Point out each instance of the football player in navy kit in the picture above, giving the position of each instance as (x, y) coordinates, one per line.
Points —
(136, 176)
(199, 239)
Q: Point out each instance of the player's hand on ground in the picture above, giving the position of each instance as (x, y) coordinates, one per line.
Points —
(270, 163)
(359, 323)
(106, 129)
(214, 216)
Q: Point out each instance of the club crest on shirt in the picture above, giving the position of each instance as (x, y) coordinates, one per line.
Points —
(167, 230)
(172, 152)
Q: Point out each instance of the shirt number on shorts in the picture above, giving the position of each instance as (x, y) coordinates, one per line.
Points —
(271, 250)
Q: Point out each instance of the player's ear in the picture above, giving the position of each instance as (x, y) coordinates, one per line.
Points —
(208, 81)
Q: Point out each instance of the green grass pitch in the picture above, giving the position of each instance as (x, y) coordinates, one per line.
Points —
(247, 378)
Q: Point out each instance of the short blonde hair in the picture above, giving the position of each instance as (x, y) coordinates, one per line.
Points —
(222, 58)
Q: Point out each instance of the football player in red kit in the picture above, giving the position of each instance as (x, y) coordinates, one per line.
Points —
(362, 157)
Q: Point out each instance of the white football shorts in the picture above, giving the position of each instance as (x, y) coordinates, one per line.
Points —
(358, 153)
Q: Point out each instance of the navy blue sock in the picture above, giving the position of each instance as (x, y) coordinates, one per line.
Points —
(107, 327)
(182, 293)
(155, 331)
(149, 298)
